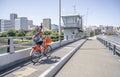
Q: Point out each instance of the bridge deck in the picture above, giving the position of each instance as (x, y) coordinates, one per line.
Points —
(30, 70)
(92, 60)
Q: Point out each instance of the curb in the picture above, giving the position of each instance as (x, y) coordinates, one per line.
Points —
(57, 66)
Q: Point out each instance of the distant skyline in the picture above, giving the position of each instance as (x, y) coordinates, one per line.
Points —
(97, 12)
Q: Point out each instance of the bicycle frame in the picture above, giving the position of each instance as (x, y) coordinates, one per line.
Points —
(38, 48)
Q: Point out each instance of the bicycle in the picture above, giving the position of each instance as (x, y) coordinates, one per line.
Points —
(36, 53)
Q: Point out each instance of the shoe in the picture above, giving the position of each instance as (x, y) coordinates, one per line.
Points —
(45, 54)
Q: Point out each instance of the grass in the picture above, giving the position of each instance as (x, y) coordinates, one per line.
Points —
(22, 40)
(3, 50)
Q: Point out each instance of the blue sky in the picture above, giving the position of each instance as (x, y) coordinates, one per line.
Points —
(100, 12)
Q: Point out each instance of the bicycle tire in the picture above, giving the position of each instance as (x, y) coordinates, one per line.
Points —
(49, 50)
(35, 56)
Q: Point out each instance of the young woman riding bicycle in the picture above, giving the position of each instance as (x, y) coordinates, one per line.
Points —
(42, 47)
(40, 40)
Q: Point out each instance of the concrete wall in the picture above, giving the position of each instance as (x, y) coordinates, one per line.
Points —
(69, 33)
(8, 59)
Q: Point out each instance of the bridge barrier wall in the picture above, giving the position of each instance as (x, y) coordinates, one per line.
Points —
(113, 46)
(10, 59)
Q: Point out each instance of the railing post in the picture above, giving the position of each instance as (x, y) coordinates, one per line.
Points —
(106, 43)
(102, 41)
(109, 46)
(114, 49)
(66, 37)
(10, 49)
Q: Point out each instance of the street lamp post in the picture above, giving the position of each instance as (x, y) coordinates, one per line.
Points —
(60, 21)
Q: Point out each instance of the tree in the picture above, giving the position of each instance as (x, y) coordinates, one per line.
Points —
(62, 33)
(3, 34)
(29, 34)
(20, 33)
(47, 32)
(32, 32)
(54, 36)
(11, 32)
(91, 34)
(96, 33)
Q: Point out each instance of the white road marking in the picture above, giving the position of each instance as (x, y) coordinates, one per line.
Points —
(119, 60)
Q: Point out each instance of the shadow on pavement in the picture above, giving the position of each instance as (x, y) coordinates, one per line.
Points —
(51, 60)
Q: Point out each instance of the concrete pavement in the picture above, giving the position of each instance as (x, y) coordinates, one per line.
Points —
(30, 70)
(93, 59)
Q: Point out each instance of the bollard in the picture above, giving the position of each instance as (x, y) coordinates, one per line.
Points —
(10, 49)
(114, 49)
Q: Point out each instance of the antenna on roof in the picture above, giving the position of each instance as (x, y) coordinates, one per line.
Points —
(74, 7)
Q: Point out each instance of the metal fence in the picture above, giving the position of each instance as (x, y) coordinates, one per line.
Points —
(112, 45)
(9, 44)
(12, 44)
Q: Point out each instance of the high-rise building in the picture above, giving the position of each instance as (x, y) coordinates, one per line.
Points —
(30, 22)
(13, 16)
(21, 23)
(30, 25)
(0, 25)
(15, 23)
(5, 25)
(54, 28)
(47, 23)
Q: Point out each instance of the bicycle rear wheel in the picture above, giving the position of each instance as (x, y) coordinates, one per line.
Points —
(35, 56)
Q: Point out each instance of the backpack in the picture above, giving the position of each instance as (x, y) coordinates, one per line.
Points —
(36, 38)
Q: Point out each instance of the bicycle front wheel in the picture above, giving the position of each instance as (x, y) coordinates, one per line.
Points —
(49, 50)
(35, 56)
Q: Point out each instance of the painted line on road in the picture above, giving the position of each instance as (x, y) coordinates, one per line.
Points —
(119, 60)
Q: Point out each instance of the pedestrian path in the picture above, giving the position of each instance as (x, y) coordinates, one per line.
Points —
(93, 59)
(30, 70)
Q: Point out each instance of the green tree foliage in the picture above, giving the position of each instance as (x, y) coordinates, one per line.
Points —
(118, 28)
(54, 36)
(3, 34)
(91, 34)
(11, 32)
(96, 33)
(55, 33)
(20, 33)
(30, 33)
(47, 32)
(62, 33)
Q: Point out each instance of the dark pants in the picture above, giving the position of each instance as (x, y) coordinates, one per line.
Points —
(39, 42)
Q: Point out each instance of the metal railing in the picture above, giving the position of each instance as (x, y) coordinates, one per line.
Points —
(112, 45)
(12, 44)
